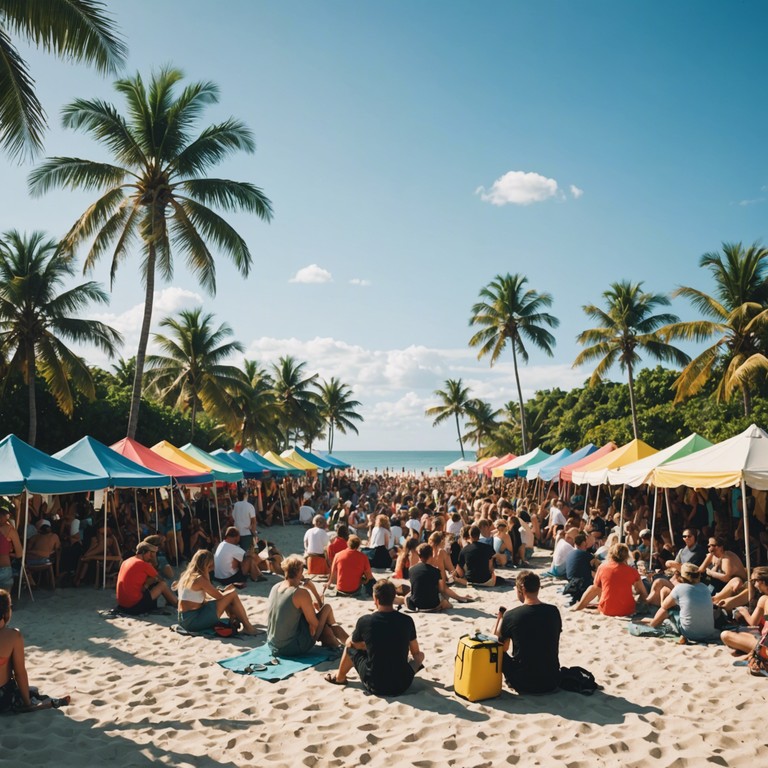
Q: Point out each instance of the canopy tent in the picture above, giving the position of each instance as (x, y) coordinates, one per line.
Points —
(170, 452)
(292, 470)
(477, 467)
(157, 463)
(324, 464)
(498, 462)
(518, 461)
(520, 470)
(527, 470)
(549, 470)
(639, 472)
(278, 470)
(566, 472)
(339, 464)
(222, 470)
(251, 469)
(596, 471)
(293, 457)
(460, 465)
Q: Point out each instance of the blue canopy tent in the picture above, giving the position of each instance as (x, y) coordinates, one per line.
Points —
(25, 468)
(320, 461)
(550, 469)
(222, 470)
(276, 470)
(251, 469)
(339, 464)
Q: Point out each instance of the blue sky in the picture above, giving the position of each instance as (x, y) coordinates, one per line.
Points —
(415, 150)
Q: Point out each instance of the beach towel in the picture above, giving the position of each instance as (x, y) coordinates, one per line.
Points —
(260, 663)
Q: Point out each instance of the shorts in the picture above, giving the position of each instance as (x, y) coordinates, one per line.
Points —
(32, 560)
(246, 542)
(235, 578)
(145, 605)
(362, 666)
(203, 618)
(6, 577)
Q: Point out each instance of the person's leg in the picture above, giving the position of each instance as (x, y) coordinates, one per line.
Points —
(742, 598)
(328, 632)
(733, 587)
(417, 662)
(587, 598)
(232, 604)
(743, 642)
(163, 589)
(654, 594)
(345, 665)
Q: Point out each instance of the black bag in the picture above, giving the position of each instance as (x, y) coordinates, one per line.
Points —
(578, 680)
(575, 588)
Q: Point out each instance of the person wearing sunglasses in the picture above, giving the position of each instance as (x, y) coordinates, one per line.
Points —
(724, 569)
(742, 640)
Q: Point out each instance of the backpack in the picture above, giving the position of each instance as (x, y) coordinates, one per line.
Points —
(578, 680)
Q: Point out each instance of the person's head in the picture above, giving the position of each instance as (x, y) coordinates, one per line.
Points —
(232, 535)
(527, 583)
(353, 542)
(293, 567)
(436, 539)
(411, 545)
(384, 593)
(145, 551)
(580, 540)
(501, 526)
(343, 531)
(619, 553)
(689, 536)
(5, 606)
(424, 552)
(155, 540)
(474, 532)
(759, 578)
(6, 509)
(241, 494)
(382, 521)
(570, 534)
(318, 521)
(689, 573)
(485, 526)
(717, 545)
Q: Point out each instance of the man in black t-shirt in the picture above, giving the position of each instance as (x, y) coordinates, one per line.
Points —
(534, 629)
(428, 589)
(379, 647)
(476, 563)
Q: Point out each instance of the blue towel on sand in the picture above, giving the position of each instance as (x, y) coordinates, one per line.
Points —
(247, 663)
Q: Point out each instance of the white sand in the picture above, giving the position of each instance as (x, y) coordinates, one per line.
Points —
(143, 695)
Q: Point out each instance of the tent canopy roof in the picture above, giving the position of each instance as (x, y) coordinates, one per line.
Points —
(250, 468)
(222, 470)
(294, 457)
(315, 459)
(566, 472)
(521, 469)
(154, 461)
(518, 461)
(550, 469)
(596, 472)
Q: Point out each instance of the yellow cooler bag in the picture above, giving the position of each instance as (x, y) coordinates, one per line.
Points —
(477, 673)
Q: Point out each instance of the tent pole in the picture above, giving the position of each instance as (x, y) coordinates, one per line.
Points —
(621, 514)
(106, 515)
(669, 518)
(653, 527)
(747, 556)
(173, 529)
(23, 572)
(136, 507)
(216, 505)
(586, 501)
(157, 513)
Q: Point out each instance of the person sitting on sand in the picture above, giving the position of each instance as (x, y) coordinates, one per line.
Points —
(743, 640)
(696, 619)
(724, 569)
(195, 612)
(339, 543)
(351, 570)
(534, 630)
(614, 583)
(691, 552)
(138, 583)
(10, 543)
(429, 591)
(296, 616)
(232, 564)
(476, 563)
(563, 547)
(380, 543)
(406, 558)
(502, 545)
(380, 647)
(316, 541)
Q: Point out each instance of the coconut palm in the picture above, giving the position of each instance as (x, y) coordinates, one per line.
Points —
(71, 29)
(156, 193)
(338, 409)
(736, 319)
(628, 325)
(125, 371)
(192, 372)
(454, 402)
(481, 420)
(296, 398)
(508, 313)
(36, 319)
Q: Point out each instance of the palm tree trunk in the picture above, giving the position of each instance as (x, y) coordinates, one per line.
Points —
(746, 399)
(632, 399)
(458, 429)
(141, 353)
(523, 428)
(31, 397)
(330, 436)
(194, 419)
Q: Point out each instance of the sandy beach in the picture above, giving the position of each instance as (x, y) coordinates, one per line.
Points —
(142, 695)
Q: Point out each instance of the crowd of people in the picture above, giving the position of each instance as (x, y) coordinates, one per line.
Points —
(411, 544)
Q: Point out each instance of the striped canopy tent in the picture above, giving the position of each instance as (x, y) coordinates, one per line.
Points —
(278, 470)
(222, 470)
(521, 469)
(293, 470)
(518, 461)
(501, 460)
(292, 456)
(319, 461)
(596, 472)
(549, 470)
(478, 466)
(251, 469)
(566, 472)
(527, 470)
(460, 465)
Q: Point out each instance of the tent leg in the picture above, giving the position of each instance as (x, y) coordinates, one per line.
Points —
(216, 505)
(745, 519)
(621, 514)
(104, 569)
(23, 572)
(669, 517)
(136, 507)
(653, 527)
(586, 502)
(173, 529)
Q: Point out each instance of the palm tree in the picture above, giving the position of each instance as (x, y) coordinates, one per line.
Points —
(192, 372)
(482, 422)
(157, 193)
(71, 29)
(253, 410)
(454, 402)
(509, 313)
(296, 399)
(337, 408)
(736, 318)
(628, 325)
(125, 371)
(35, 319)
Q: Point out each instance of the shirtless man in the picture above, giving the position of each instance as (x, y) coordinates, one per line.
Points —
(724, 569)
(43, 546)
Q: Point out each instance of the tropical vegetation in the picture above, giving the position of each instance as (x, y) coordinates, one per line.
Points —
(454, 402)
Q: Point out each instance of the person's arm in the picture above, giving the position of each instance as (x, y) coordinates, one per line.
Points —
(415, 651)
(727, 573)
(591, 593)
(19, 668)
(312, 589)
(204, 585)
(303, 601)
(668, 603)
(753, 619)
(707, 562)
(642, 592)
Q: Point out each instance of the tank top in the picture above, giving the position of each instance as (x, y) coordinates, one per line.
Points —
(5, 545)
(283, 617)
(192, 595)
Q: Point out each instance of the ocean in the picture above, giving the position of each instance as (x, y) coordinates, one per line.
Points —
(402, 461)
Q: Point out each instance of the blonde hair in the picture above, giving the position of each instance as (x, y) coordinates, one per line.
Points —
(382, 521)
(292, 566)
(199, 567)
(619, 553)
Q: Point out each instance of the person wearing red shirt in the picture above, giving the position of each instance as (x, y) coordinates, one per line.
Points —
(351, 569)
(138, 585)
(339, 543)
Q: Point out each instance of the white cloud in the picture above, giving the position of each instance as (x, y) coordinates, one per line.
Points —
(576, 193)
(519, 188)
(753, 201)
(312, 274)
(359, 281)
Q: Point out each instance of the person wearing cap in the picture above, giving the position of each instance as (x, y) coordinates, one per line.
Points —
(139, 585)
(233, 565)
(696, 618)
(10, 544)
(43, 546)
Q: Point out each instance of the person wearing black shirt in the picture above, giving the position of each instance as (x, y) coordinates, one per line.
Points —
(380, 646)
(475, 564)
(534, 629)
(578, 568)
(428, 590)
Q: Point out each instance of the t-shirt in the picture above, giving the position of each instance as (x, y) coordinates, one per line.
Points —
(577, 565)
(556, 517)
(616, 581)
(562, 548)
(380, 537)
(225, 553)
(475, 562)
(387, 636)
(695, 554)
(425, 586)
(349, 565)
(315, 541)
(697, 619)
(336, 546)
(454, 528)
(306, 513)
(535, 634)
(242, 514)
(131, 579)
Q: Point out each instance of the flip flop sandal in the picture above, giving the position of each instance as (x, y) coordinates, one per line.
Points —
(331, 678)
